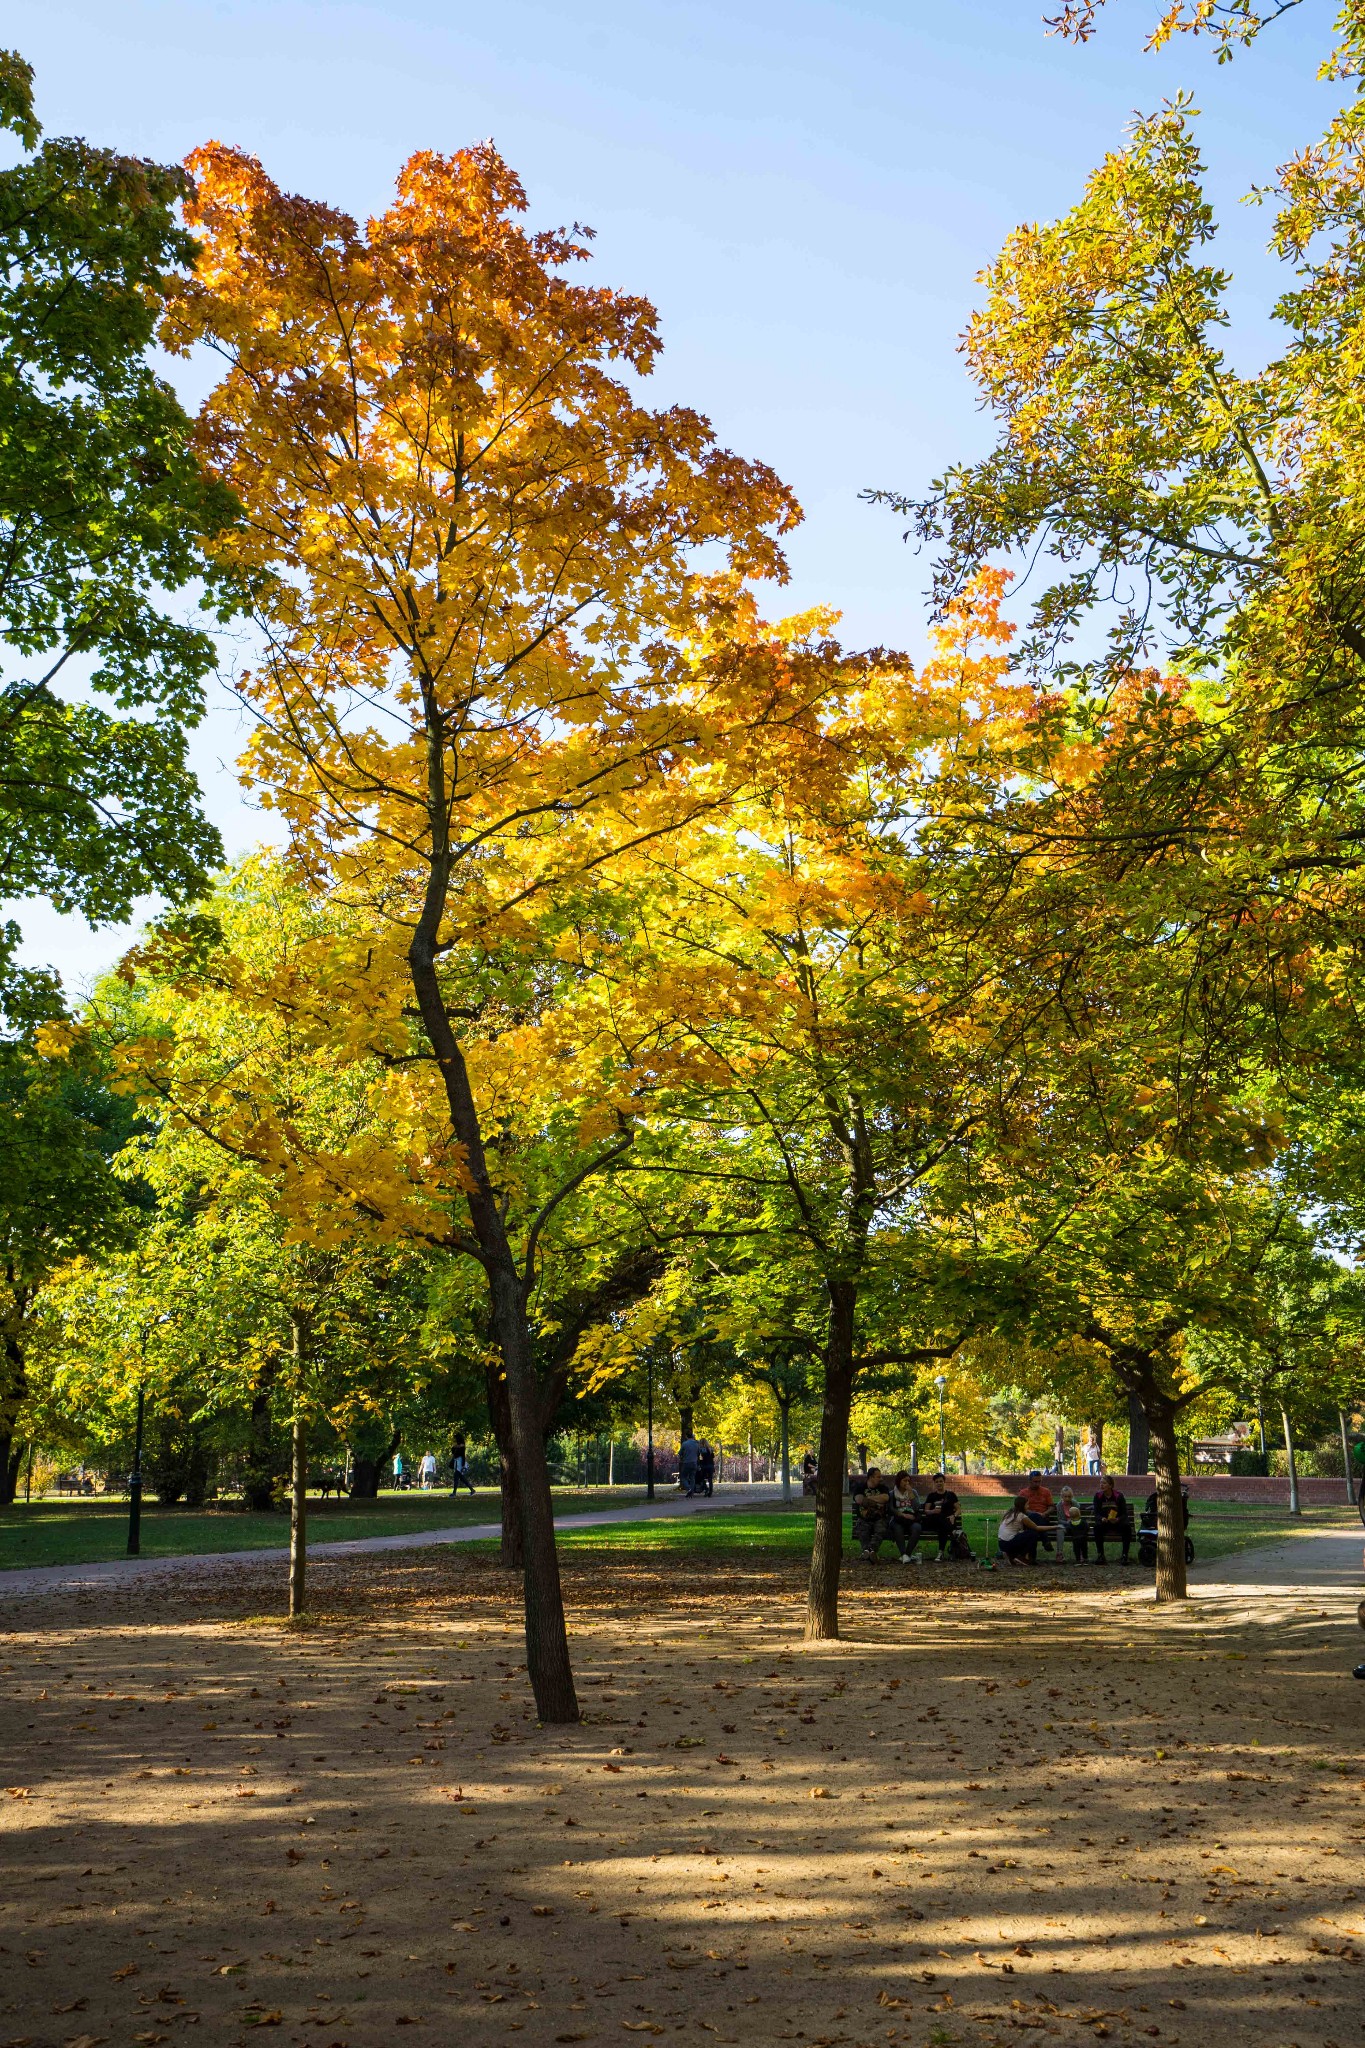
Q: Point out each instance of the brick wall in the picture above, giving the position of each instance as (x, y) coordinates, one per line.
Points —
(1249, 1491)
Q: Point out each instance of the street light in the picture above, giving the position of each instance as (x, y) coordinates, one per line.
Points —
(649, 1454)
(940, 1381)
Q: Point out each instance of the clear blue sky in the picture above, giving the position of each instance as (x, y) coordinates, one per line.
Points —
(806, 191)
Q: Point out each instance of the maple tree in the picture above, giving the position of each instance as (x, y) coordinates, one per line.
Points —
(479, 684)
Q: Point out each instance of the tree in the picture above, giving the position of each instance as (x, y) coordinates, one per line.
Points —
(478, 685)
(844, 1040)
(103, 509)
(60, 1199)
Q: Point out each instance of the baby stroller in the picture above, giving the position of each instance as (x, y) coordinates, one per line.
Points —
(1147, 1529)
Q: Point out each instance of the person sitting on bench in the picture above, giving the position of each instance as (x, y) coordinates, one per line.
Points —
(1038, 1497)
(940, 1512)
(1071, 1526)
(1111, 1521)
(872, 1515)
(905, 1515)
(1019, 1533)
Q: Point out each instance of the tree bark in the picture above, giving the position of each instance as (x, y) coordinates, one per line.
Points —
(547, 1639)
(15, 1388)
(11, 1464)
(365, 1475)
(1346, 1456)
(298, 1518)
(822, 1597)
(1139, 1436)
(1172, 1581)
(1295, 1506)
(784, 1409)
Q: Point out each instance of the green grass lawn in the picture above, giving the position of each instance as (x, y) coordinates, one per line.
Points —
(1217, 1530)
(65, 1531)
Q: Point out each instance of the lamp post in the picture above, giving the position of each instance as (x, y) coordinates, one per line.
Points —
(941, 1382)
(135, 1481)
(649, 1424)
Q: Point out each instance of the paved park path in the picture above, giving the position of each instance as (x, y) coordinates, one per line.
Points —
(1314, 1557)
(50, 1578)
(1288, 1586)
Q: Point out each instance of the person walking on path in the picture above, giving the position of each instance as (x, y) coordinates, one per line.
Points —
(706, 1468)
(399, 1470)
(689, 1451)
(460, 1465)
(428, 1471)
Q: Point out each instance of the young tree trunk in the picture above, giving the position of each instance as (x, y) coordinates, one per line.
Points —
(784, 1409)
(685, 1419)
(1295, 1507)
(1346, 1455)
(547, 1638)
(1139, 1436)
(298, 1517)
(1171, 1580)
(822, 1598)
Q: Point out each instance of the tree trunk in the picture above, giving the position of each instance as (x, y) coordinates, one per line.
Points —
(15, 1388)
(822, 1598)
(512, 1555)
(685, 1418)
(298, 1518)
(365, 1473)
(1295, 1508)
(784, 1410)
(11, 1460)
(547, 1636)
(1139, 1436)
(1346, 1455)
(258, 1478)
(1171, 1579)
(547, 1639)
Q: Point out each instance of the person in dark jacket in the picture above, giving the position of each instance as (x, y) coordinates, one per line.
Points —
(872, 1523)
(706, 1468)
(940, 1512)
(1111, 1520)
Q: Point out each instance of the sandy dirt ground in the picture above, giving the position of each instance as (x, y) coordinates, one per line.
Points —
(1002, 1806)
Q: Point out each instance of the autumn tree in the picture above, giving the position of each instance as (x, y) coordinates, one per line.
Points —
(838, 1041)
